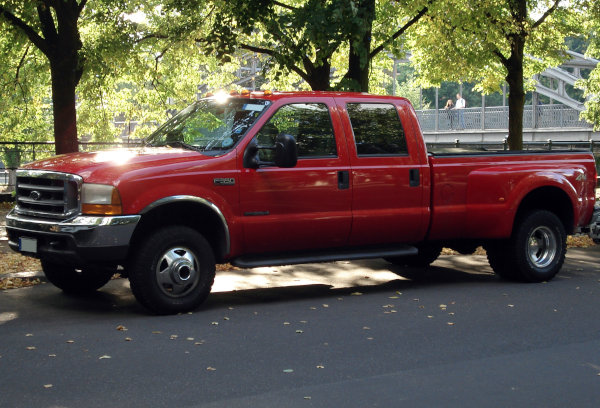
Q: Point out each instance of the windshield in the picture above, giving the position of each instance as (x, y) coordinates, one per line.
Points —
(210, 126)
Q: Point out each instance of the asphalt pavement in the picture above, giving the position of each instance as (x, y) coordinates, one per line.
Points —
(344, 334)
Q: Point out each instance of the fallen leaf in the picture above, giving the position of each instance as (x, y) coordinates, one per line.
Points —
(128, 339)
(356, 294)
(450, 324)
(29, 335)
(307, 398)
(366, 328)
(299, 331)
(51, 355)
(226, 318)
(325, 305)
(190, 339)
(121, 328)
(215, 323)
(70, 341)
(320, 366)
(173, 336)
(286, 323)
(105, 357)
(211, 369)
(48, 385)
(430, 317)
(30, 348)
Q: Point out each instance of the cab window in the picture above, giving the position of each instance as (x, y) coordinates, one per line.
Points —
(309, 123)
(377, 129)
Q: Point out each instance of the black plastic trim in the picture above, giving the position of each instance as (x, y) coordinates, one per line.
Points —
(341, 254)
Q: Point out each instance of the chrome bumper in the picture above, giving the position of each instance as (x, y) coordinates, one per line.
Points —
(77, 240)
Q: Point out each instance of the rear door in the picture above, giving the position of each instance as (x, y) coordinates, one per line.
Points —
(388, 171)
(307, 206)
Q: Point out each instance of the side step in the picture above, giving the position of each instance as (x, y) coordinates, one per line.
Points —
(343, 254)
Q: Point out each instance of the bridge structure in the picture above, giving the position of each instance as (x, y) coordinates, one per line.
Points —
(557, 121)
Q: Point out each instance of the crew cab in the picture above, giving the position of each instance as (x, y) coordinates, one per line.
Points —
(263, 178)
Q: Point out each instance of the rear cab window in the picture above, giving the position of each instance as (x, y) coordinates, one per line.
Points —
(377, 129)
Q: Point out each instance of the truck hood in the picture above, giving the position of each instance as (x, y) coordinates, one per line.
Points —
(108, 166)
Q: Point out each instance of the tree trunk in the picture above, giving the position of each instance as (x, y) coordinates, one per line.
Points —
(64, 81)
(357, 77)
(516, 94)
(318, 77)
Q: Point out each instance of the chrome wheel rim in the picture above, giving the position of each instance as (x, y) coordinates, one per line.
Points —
(177, 272)
(542, 247)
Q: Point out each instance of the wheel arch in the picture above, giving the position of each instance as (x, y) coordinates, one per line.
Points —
(550, 198)
(196, 212)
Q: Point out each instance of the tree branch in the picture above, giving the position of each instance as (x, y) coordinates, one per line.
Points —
(16, 22)
(285, 6)
(546, 14)
(81, 6)
(401, 31)
(21, 62)
(274, 54)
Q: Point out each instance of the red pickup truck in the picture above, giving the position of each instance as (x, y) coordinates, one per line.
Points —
(265, 178)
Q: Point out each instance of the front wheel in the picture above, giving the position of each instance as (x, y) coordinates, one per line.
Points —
(77, 281)
(535, 252)
(173, 270)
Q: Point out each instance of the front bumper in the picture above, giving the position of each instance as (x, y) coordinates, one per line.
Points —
(78, 241)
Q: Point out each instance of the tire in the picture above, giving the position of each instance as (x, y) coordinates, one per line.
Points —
(172, 271)
(428, 253)
(77, 281)
(535, 252)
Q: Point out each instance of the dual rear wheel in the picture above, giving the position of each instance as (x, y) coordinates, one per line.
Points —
(534, 253)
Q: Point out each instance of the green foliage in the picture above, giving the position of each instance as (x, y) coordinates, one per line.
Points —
(591, 85)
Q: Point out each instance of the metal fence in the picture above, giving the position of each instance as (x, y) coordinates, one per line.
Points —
(496, 117)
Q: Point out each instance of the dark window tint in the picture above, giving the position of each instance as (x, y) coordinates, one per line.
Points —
(377, 129)
(309, 123)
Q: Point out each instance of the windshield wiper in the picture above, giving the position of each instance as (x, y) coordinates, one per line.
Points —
(179, 143)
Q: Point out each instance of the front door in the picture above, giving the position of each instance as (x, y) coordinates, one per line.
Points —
(309, 205)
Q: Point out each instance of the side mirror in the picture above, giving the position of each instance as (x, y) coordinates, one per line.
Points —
(285, 153)
(251, 160)
(286, 150)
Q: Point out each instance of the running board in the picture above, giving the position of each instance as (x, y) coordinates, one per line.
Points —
(346, 254)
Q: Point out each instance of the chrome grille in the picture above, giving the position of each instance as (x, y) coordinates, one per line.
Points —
(46, 194)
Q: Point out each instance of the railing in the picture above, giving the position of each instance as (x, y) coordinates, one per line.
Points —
(593, 146)
(496, 117)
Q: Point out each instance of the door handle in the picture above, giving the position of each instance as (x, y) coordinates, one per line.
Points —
(414, 177)
(343, 179)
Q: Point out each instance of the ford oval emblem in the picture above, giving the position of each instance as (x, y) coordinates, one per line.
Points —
(35, 195)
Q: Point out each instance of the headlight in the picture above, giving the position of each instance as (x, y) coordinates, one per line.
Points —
(100, 199)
